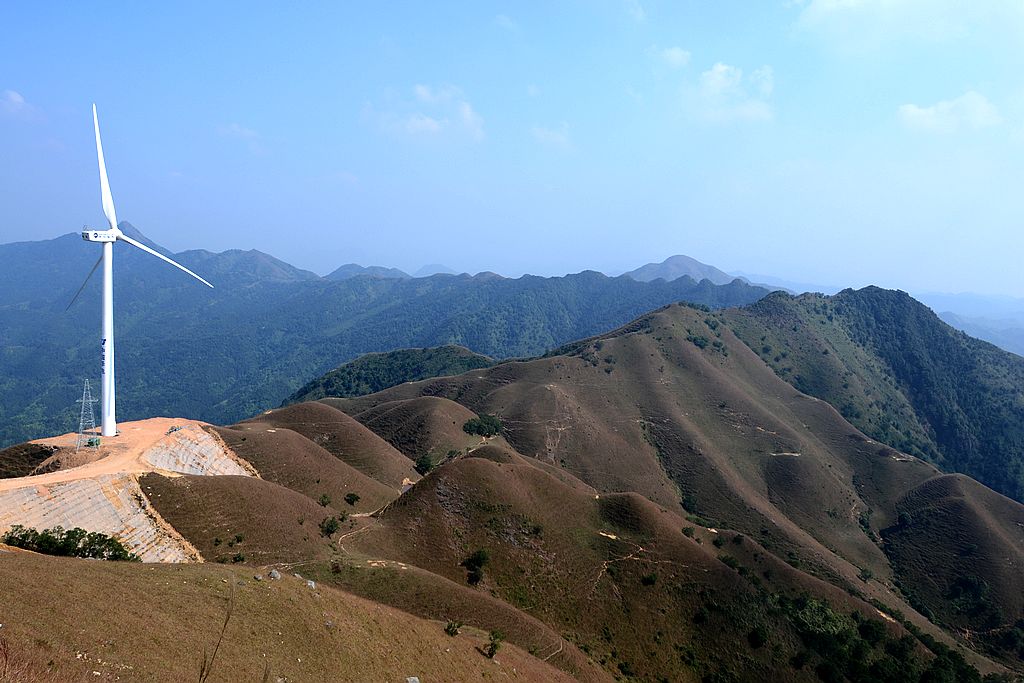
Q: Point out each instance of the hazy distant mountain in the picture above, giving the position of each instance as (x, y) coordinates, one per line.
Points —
(975, 305)
(1007, 334)
(676, 267)
(354, 270)
(267, 327)
(996, 319)
(434, 269)
(790, 286)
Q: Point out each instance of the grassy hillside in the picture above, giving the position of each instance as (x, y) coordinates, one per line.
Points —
(901, 375)
(376, 371)
(156, 623)
(222, 355)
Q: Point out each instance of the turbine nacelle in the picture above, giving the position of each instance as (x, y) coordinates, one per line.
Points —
(101, 235)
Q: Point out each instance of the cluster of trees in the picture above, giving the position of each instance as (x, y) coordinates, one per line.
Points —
(68, 543)
(484, 425)
(377, 371)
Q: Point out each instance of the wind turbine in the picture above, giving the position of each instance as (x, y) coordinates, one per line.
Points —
(107, 239)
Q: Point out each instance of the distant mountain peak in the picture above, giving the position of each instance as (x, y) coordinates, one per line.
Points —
(434, 269)
(131, 231)
(355, 270)
(675, 267)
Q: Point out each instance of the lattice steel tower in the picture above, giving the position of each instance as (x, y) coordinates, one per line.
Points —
(87, 420)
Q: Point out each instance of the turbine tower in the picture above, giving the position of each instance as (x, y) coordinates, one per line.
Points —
(107, 239)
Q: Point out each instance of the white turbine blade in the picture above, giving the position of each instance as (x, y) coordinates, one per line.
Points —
(108, 201)
(143, 247)
(75, 298)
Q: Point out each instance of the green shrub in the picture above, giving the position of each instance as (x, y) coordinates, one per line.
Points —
(757, 637)
(474, 565)
(424, 464)
(324, 500)
(649, 579)
(351, 498)
(70, 543)
(494, 644)
(453, 627)
(328, 526)
(689, 503)
(485, 425)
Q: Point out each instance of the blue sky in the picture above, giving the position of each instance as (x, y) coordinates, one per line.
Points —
(843, 142)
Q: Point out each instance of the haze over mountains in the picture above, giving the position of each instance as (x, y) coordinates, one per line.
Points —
(268, 327)
(999, 320)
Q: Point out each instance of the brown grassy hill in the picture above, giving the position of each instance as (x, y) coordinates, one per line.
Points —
(154, 623)
(678, 409)
(19, 460)
(958, 547)
(295, 462)
(240, 519)
(426, 425)
(621, 579)
(345, 438)
(710, 430)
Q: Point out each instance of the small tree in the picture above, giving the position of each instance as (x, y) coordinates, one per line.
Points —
(351, 498)
(328, 526)
(494, 644)
(453, 627)
(424, 464)
(474, 564)
(324, 500)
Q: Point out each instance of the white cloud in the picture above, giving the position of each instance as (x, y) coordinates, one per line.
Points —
(970, 110)
(235, 130)
(249, 136)
(13, 104)
(554, 137)
(763, 79)
(12, 101)
(636, 10)
(721, 80)
(421, 123)
(724, 94)
(471, 121)
(871, 24)
(436, 95)
(675, 57)
(506, 22)
(433, 110)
